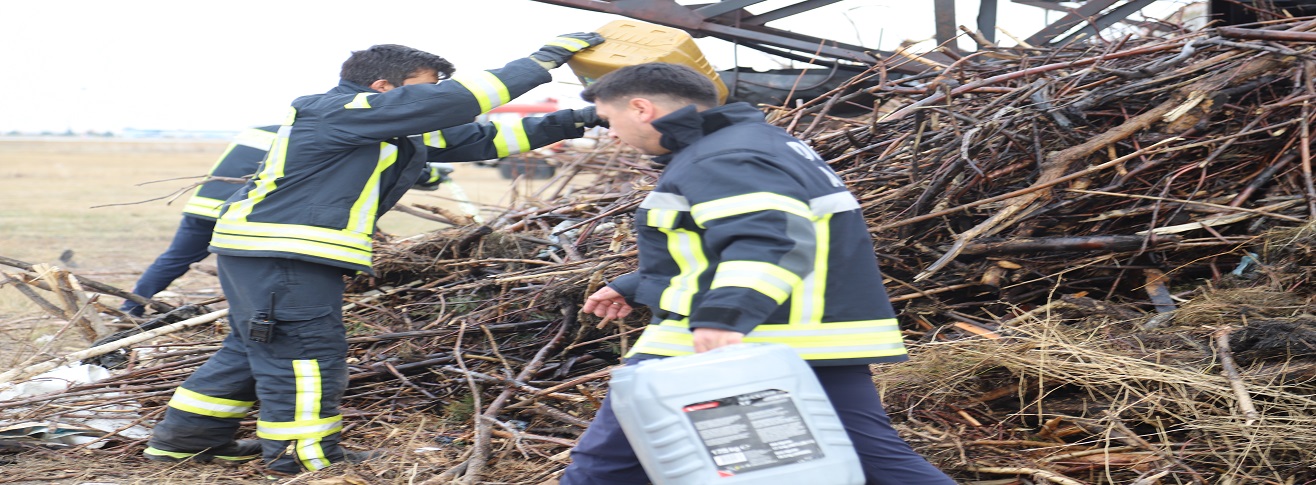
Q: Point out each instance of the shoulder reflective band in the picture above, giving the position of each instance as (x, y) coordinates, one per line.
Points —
(361, 101)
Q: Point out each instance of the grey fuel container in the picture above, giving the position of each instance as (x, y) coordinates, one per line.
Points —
(741, 414)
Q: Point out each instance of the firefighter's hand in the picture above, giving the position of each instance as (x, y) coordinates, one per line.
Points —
(607, 303)
(556, 52)
(435, 173)
(707, 339)
(587, 118)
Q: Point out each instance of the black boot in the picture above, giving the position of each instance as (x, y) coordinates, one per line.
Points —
(236, 452)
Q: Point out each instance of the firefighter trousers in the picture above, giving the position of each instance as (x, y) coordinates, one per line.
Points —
(603, 456)
(298, 376)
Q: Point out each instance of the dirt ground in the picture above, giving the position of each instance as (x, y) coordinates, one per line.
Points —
(109, 208)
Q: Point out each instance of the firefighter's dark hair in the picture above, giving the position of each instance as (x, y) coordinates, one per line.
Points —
(677, 82)
(393, 63)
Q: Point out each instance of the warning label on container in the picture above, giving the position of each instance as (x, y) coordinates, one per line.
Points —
(753, 431)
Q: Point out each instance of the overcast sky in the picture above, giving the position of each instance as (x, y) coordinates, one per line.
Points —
(107, 65)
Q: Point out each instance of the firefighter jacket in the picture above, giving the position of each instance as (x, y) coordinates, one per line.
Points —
(749, 230)
(343, 158)
(240, 159)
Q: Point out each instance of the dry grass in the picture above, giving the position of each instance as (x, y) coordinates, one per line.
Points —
(51, 189)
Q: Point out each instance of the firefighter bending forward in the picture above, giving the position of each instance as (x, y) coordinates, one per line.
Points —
(747, 236)
(286, 240)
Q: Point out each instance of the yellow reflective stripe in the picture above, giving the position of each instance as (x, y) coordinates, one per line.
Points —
(307, 375)
(183, 456)
(291, 245)
(361, 101)
(435, 139)
(266, 179)
(362, 216)
(299, 430)
(746, 203)
(341, 237)
(197, 403)
(488, 90)
(661, 217)
(808, 298)
(687, 250)
(309, 394)
(511, 139)
(203, 206)
(766, 278)
(835, 340)
(569, 43)
(255, 138)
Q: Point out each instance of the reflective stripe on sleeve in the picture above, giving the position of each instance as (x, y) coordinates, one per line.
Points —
(203, 206)
(665, 200)
(435, 139)
(197, 403)
(769, 279)
(489, 91)
(511, 139)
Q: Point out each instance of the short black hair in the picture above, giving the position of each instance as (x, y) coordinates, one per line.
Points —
(393, 63)
(675, 81)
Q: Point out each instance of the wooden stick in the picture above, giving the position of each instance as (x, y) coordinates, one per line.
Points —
(1230, 370)
(8, 378)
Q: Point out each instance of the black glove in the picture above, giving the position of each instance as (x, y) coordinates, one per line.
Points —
(556, 52)
(435, 173)
(587, 118)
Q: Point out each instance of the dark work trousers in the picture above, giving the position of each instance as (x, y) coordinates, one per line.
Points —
(299, 376)
(604, 457)
(190, 244)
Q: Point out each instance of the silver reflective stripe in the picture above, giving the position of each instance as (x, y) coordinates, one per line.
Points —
(724, 275)
(283, 430)
(508, 134)
(665, 200)
(845, 348)
(483, 88)
(183, 397)
(831, 204)
(292, 245)
(355, 240)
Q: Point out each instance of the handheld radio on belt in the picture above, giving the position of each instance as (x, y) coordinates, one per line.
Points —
(262, 324)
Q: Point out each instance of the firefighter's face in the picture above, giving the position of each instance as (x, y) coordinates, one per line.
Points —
(630, 120)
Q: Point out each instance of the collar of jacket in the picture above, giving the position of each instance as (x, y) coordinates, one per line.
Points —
(348, 87)
(685, 126)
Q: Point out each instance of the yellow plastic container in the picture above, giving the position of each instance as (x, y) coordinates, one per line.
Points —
(631, 42)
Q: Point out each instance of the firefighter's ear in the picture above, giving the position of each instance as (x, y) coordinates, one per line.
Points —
(644, 109)
(381, 86)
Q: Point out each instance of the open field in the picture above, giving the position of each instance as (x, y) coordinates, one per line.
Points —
(110, 202)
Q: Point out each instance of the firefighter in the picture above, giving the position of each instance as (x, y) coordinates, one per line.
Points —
(748, 236)
(288, 237)
(192, 238)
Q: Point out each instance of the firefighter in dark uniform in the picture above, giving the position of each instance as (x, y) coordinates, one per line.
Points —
(286, 239)
(748, 236)
(191, 241)
(192, 238)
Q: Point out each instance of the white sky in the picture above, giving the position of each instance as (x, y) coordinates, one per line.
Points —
(106, 65)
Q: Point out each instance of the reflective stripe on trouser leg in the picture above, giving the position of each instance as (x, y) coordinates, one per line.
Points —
(301, 373)
(206, 409)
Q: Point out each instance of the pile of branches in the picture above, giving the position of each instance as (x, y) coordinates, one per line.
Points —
(1100, 254)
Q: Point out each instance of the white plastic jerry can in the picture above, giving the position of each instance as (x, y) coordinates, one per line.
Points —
(741, 414)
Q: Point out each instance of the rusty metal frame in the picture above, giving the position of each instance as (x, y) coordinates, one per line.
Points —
(1090, 13)
(727, 20)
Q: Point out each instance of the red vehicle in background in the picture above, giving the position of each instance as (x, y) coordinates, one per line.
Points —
(534, 164)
